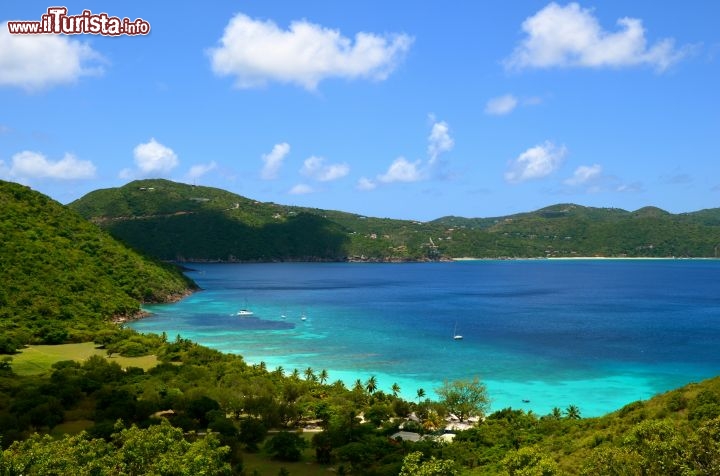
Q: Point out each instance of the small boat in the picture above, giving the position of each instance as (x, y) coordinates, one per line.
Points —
(245, 312)
(457, 336)
(303, 317)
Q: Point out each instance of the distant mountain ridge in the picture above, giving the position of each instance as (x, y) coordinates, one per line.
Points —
(175, 221)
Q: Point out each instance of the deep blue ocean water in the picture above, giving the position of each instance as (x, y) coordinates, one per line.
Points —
(594, 333)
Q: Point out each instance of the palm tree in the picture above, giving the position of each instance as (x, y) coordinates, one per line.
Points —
(359, 385)
(295, 374)
(371, 384)
(323, 376)
(420, 393)
(556, 413)
(279, 370)
(310, 374)
(572, 412)
(395, 389)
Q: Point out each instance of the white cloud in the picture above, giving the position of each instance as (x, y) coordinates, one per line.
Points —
(35, 62)
(301, 189)
(365, 184)
(153, 158)
(315, 168)
(273, 161)
(197, 171)
(256, 51)
(501, 105)
(585, 174)
(439, 140)
(402, 171)
(572, 36)
(536, 162)
(29, 165)
(633, 187)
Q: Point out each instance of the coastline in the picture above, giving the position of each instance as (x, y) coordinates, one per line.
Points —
(589, 258)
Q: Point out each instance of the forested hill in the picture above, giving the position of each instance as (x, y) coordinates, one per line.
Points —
(175, 221)
(63, 277)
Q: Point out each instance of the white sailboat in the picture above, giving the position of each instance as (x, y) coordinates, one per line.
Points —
(457, 336)
(245, 311)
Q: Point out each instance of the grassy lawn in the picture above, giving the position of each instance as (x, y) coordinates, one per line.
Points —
(38, 359)
(265, 466)
(268, 467)
(71, 427)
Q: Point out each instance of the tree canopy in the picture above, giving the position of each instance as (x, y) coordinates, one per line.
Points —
(464, 398)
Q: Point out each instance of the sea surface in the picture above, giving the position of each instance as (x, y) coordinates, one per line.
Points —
(598, 334)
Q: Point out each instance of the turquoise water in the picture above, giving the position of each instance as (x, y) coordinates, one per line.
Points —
(594, 333)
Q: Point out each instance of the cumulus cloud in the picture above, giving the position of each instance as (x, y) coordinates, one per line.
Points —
(35, 62)
(584, 175)
(365, 184)
(197, 171)
(439, 140)
(34, 165)
(153, 158)
(273, 161)
(501, 105)
(536, 162)
(256, 51)
(571, 36)
(301, 189)
(315, 168)
(401, 170)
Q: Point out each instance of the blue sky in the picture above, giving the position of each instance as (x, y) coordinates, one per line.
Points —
(393, 109)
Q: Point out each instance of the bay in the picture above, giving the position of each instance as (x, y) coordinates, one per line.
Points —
(540, 333)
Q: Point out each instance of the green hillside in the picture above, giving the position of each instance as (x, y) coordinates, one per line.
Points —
(63, 277)
(175, 221)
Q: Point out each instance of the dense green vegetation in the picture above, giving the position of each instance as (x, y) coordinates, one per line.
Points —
(198, 406)
(176, 221)
(64, 278)
(193, 410)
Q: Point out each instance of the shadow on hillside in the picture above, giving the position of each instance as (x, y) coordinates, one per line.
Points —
(214, 236)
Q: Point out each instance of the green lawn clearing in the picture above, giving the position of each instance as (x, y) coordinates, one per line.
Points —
(38, 359)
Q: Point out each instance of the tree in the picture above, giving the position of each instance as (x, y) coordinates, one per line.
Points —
(413, 466)
(395, 389)
(420, 393)
(323, 377)
(310, 374)
(371, 384)
(572, 412)
(252, 433)
(464, 398)
(286, 446)
(529, 461)
(160, 449)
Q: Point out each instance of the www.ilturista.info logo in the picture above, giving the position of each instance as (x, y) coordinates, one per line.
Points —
(57, 21)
